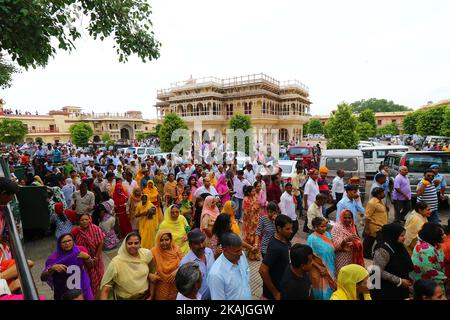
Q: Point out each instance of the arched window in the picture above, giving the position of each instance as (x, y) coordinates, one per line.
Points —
(264, 111)
(230, 109)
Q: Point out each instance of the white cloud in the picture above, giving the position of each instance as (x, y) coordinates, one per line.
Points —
(343, 50)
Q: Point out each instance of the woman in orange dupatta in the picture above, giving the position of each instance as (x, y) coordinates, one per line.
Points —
(251, 210)
(153, 196)
(167, 257)
(348, 246)
(210, 212)
(133, 202)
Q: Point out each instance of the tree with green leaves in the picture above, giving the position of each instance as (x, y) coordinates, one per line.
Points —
(445, 127)
(170, 123)
(306, 128)
(141, 136)
(31, 32)
(7, 69)
(81, 133)
(315, 127)
(368, 116)
(340, 129)
(390, 128)
(429, 121)
(12, 131)
(365, 130)
(410, 122)
(377, 105)
(244, 122)
(106, 137)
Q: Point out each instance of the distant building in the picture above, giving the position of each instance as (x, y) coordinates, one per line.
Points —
(54, 127)
(381, 118)
(432, 104)
(274, 106)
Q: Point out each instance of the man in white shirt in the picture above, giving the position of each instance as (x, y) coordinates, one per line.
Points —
(249, 174)
(205, 188)
(129, 184)
(90, 168)
(239, 182)
(288, 206)
(311, 189)
(337, 190)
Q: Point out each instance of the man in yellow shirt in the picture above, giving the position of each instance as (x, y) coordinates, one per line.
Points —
(375, 217)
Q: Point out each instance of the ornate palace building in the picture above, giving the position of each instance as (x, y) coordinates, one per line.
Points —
(207, 104)
(54, 126)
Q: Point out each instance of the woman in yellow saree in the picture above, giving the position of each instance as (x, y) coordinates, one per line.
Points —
(153, 196)
(148, 222)
(178, 226)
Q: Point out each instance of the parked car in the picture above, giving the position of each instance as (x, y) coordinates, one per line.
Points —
(431, 140)
(305, 154)
(374, 156)
(417, 162)
(175, 156)
(287, 169)
(349, 160)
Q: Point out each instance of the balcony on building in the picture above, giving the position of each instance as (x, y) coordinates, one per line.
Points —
(50, 129)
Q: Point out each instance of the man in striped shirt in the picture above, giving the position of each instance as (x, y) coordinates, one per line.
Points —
(426, 192)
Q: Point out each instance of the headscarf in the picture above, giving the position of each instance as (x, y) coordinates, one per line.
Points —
(212, 178)
(68, 259)
(151, 191)
(340, 232)
(129, 274)
(167, 261)
(144, 208)
(120, 197)
(178, 228)
(229, 210)
(136, 195)
(389, 235)
(323, 170)
(348, 277)
(221, 185)
(38, 180)
(207, 210)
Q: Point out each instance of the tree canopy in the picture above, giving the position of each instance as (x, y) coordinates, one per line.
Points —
(445, 128)
(430, 121)
(81, 133)
(32, 31)
(390, 128)
(340, 129)
(410, 122)
(315, 127)
(12, 131)
(239, 121)
(170, 123)
(377, 105)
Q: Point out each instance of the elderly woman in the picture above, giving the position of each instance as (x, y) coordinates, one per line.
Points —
(352, 284)
(208, 217)
(347, 244)
(394, 262)
(67, 255)
(178, 226)
(428, 256)
(92, 238)
(127, 276)
(167, 258)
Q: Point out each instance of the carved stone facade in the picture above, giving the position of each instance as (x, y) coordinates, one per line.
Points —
(207, 104)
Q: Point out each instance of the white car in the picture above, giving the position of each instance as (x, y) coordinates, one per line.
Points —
(287, 167)
(175, 156)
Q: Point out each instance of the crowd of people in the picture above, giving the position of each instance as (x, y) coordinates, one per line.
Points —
(189, 231)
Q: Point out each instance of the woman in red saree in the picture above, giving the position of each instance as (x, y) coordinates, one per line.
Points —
(348, 246)
(120, 207)
(91, 237)
(251, 210)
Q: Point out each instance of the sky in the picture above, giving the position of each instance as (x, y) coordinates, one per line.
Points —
(343, 50)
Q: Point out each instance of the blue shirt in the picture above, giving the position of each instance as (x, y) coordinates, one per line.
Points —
(352, 205)
(204, 268)
(442, 182)
(62, 227)
(228, 281)
(185, 175)
(56, 156)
